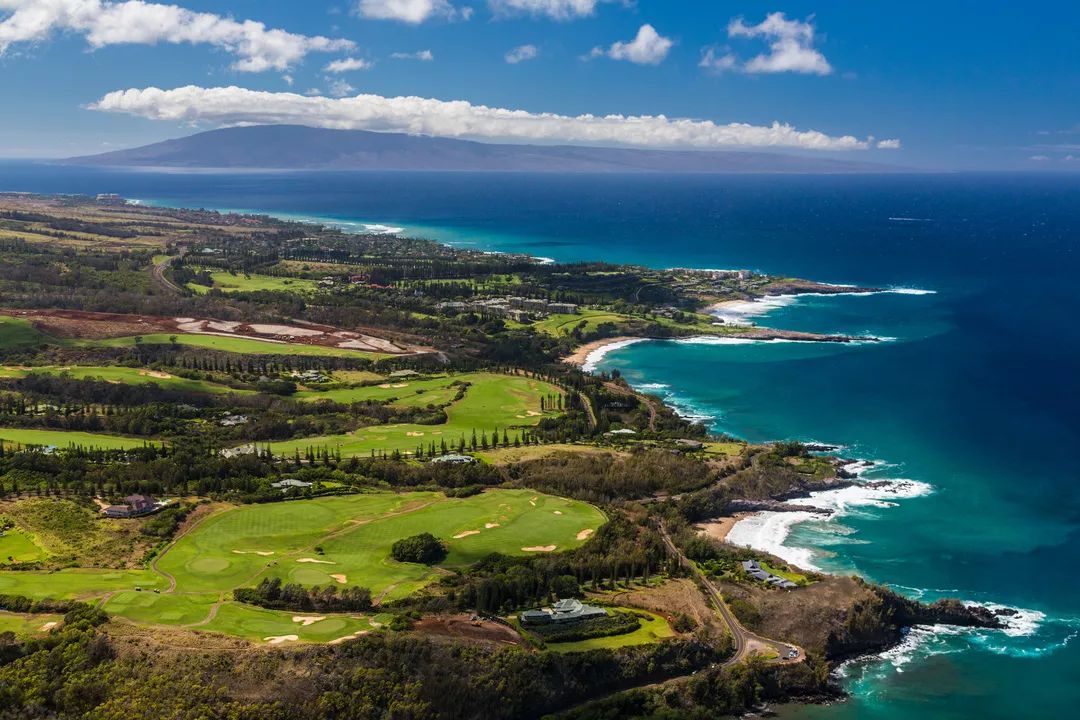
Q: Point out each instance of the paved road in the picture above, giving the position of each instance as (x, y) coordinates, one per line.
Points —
(157, 273)
(745, 641)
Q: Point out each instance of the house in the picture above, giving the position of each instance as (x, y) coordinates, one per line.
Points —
(687, 444)
(564, 611)
(562, 308)
(621, 431)
(754, 570)
(288, 483)
(454, 459)
(232, 420)
(403, 373)
(136, 506)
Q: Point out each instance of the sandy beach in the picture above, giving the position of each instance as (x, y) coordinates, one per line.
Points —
(581, 356)
(719, 528)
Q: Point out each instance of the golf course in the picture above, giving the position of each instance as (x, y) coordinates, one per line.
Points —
(339, 540)
(491, 401)
(126, 375)
(70, 438)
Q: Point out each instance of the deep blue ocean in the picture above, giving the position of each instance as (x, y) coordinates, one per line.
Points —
(971, 404)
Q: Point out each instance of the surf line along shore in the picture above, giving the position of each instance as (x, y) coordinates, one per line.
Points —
(587, 356)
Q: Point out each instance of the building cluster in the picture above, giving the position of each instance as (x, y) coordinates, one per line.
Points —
(137, 505)
(564, 611)
(519, 309)
(754, 570)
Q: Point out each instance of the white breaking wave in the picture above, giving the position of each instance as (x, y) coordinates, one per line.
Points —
(379, 229)
(911, 219)
(911, 291)
(767, 531)
(592, 360)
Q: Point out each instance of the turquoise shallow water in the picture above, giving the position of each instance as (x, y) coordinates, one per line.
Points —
(974, 401)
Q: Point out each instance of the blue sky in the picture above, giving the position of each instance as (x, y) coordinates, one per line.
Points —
(980, 85)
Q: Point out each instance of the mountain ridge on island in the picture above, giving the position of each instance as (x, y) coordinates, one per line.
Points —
(298, 147)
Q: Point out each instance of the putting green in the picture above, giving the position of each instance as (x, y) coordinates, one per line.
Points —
(67, 438)
(267, 625)
(492, 401)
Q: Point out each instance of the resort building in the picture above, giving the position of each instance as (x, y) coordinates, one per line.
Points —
(454, 459)
(564, 611)
(289, 483)
(136, 506)
(754, 570)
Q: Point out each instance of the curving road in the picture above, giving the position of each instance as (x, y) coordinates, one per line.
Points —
(745, 641)
(157, 273)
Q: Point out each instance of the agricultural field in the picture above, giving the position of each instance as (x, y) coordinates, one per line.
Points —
(126, 375)
(68, 438)
(342, 540)
(653, 629)
(230, 283)
(492, 401)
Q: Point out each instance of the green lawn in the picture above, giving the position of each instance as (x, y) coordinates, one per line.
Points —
(654, 629)
(230, 283)
(259, 624)
(249, 346)
(18, 331)
(67, 438)
(239, 546)
(17, 546)
(126, 375)
(76, 583)
(492, 401)
(24, 625)
(561, 325)
(403, 392)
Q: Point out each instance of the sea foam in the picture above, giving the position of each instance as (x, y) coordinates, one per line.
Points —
(592, 360)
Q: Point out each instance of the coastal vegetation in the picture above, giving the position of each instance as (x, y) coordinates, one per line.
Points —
(372, 458)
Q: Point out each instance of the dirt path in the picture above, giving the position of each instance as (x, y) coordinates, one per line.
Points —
(650, 404)
(172, 543)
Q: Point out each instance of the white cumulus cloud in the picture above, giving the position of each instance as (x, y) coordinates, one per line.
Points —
(103, 23)
(714, 61)
(891, 144)
(422, 55)
(555, 9)
(348, 65)
(522, 53)
(408, 11)
(791, 46)
(459, 119)
(647, 48)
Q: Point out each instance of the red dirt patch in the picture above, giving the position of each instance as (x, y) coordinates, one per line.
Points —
(463, 627)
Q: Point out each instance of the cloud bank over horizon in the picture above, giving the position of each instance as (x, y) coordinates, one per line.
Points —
(225, 106)
(134, 22)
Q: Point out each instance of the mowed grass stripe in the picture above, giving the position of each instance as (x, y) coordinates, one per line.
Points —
(492, 401)
(126, 375)
(67, 438)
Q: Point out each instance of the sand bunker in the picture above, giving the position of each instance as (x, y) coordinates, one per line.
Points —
(314, 560)
(48, 626)
(340, 577)
(400, 385)
(584, 534)
(264, 553)
(539, 548)
(467, 533)
(386, 386)
(155, 374)
(488, 526)
(415, 434)
(356, 634)
(306, 620)
(534, 413)
(284, 330)
(533, 501)
(556, 512)
(278, 639)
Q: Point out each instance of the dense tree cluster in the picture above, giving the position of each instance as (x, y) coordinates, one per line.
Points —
(424, 548)
(271, 593)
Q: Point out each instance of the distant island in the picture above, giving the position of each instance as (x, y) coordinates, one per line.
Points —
(295, 147)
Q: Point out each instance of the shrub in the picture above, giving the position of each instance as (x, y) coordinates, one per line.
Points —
(423, 548)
